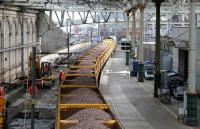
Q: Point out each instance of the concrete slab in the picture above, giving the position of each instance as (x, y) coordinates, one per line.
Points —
(133, 102)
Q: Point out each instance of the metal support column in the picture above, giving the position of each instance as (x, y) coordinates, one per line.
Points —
(116, 28)
(91, 42)
(140, 75)
(157, 51)
(67, 35)
(134, 37)
(33, 88)
(98, 30)
(127, 41)
(22, 49)
(191, 94)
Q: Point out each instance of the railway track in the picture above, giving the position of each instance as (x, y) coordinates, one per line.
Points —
(80, 104)
(45, 97)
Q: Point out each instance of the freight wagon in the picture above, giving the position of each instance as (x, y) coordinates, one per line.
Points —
(80, 104)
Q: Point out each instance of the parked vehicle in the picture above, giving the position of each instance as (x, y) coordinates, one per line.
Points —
(179, 92)
(173, 82)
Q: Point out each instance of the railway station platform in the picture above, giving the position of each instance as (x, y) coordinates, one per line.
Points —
(132, 102)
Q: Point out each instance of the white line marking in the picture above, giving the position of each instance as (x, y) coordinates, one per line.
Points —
(165, 107)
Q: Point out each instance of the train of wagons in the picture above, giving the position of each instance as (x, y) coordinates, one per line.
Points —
(80, 104)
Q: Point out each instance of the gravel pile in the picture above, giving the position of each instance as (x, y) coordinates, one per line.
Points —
(91, 114)
(85, 99)
(88, 58)
(89, 125)
(87, 62)
(81, 91)
(83, 80)
(83, 95)
(85, 70)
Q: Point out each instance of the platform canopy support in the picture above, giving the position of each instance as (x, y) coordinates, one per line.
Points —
(157, 51)
(192, 94)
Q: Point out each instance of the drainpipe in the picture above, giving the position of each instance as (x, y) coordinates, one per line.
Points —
(140, 75)
(191, 94)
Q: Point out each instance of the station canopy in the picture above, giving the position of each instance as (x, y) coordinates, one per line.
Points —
(100, 5)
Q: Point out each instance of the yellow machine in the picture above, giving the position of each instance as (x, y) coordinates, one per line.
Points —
(2, 108)
(44, 72)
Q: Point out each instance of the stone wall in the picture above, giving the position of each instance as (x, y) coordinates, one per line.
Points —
(17, 36)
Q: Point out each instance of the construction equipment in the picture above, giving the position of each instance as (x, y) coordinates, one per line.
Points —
(2, 108)
(44, 72)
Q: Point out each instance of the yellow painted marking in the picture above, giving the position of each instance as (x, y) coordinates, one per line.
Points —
(100, 106)
(78, 86)
(76, 74)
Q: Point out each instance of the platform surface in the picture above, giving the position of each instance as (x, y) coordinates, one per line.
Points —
(133, 101)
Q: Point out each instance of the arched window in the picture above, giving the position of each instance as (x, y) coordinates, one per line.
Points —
(19, 32)
(6, 54)
(31, 32)
(19, 43)
(1, 35)
(6, 34)
(13, 34)
(34, 32)
(25, 31)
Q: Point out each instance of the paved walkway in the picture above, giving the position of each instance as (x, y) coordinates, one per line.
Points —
(131, 101)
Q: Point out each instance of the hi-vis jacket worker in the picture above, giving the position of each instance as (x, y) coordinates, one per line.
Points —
(1, 92)
(61, 76)
(30, 90)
